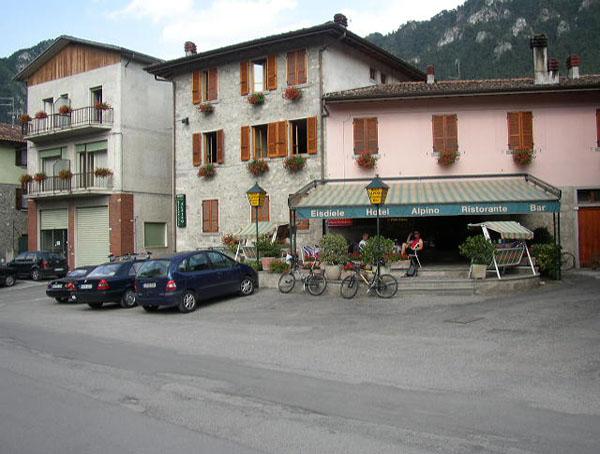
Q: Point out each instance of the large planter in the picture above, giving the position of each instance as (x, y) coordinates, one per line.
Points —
(478, 271)
(266, 263)
(333, 272)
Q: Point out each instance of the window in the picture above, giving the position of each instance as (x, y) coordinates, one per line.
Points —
(588, 196)
(520, 130)
(365, 136)
(20, 199)
(154, 269)
(198, 262)
(214, 148)
(96, 95)
(21, 156)
(210, 148)
(205, 85)
(210, 216)
(155, 234)
(135, 268)
(260, 141)
(372, 73)
(277, 139)
(383, 78)
(48, 105)
(299, 136)
(259, 75)
(263, 212)
(445, 133)
(296, 67)
(219, 261)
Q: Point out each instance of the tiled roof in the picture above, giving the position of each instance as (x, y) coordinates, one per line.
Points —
(450, 88)
(10, 133)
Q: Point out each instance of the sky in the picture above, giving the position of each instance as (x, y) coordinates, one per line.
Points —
(160, 27)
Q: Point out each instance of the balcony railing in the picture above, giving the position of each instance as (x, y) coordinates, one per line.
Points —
(76, 119)
(79, 182)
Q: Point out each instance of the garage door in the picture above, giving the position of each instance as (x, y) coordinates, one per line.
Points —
(589, 236)
(92, 236)
(54, 219)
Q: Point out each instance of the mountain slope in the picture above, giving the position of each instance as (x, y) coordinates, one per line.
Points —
(490, 38)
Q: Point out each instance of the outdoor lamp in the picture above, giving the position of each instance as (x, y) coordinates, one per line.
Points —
(256, 197)
(377, 191)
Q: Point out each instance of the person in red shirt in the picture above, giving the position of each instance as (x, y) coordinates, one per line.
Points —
(413, 244)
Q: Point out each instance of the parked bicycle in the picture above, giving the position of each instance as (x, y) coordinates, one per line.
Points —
(314, 282)
(385, 285)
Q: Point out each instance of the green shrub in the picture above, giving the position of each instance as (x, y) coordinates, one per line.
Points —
(477, 249)
(334, 249)
(279, 267)
(268, 249)
(377, 248)
(541, 235)
(547, 257)
(257, 266)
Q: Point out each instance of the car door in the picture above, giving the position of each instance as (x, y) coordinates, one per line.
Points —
(17, 264)
(200, 276)
(225, 273)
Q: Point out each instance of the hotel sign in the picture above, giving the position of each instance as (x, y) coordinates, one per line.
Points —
(429, 210)
(180, 210)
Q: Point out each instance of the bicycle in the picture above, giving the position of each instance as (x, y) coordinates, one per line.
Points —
(314, 283)
(385, 285)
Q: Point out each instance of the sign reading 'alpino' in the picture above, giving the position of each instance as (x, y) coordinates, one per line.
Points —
(407, 211)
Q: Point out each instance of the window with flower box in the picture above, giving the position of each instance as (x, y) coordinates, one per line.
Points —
(205, 85)
(365, 135)
(520, 131)
(296, 67)
(260, 141)
(445, 133)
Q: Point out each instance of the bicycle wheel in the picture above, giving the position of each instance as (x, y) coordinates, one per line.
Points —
(386, 286)
(286, 283)
(316, 284)
(349, 287)
(567, 261)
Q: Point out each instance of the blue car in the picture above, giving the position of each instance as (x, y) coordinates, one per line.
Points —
(182, 280)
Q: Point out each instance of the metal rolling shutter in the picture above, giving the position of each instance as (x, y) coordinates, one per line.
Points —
(54, 219)
(92, 236)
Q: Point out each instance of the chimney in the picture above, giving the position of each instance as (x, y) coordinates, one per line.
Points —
(340, 19)
(553, 71)
(189, 48)
(539, 45)
(431, 74)
(573, 64)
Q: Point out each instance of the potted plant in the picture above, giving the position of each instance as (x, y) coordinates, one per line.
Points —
(523, 157)
(447, 158)
(65, 175)
(102, 172)
(64, 110)
(334, 253)
(230, 242)
(40, 177)
(25, 179)
(480, 252)
(40, 115)
(366, 161)
(279, 266)
(547, 257)
(206, 108)
(256, 99)
(258, 167)
(294, 164)
(376, 249)
(24, 119)
(207, 171)
(292, 93)
(268, 252)
(102, 106)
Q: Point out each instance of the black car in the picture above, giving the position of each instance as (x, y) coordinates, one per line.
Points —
(39, 265)
(63, 290)
(109, 283)
(8, 276)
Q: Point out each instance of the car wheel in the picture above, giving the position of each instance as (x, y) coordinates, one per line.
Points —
(36, 275)
(128, 299)
(9, 281)
(188, 303)
(150, 308)
(247, 286)
(95, 305)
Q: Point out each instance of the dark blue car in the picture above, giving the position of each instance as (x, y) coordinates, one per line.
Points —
(184, 279)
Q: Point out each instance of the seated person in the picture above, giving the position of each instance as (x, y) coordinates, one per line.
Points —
(413, 244)
(363, 242)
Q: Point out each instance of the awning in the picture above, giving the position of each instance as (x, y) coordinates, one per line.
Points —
(508, 230)
(264, 228)
(461, 196)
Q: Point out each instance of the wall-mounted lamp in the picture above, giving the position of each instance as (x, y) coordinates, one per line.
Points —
(185, 121)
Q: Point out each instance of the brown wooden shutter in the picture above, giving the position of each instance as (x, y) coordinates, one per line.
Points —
(213, 84)
(514, 133)
(358, 126)
(214, 215)
(372, 137)
(245, 143)
(244, 85)
(301, 67)
(272, 72)
(312, 139)
(197, 149)
(272, 140)
(220, 147)
(206, 215)
(437, 122)
(291, 68)
(451, 130)
(598, 126)
(263, 212)
(196, 94)
(526, 130)
(282, 139)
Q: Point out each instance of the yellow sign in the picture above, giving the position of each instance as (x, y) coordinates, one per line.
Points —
(377, 196)
(256, 199)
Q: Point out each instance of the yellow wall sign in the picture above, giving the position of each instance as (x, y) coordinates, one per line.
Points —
(256, 199)
(377, 196)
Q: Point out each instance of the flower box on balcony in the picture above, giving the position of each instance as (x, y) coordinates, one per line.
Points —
(367, 161)
(102, 106)
(40, 115)
(523, 157)
(25, 179)
(40, 177)
(447, 158)
(256, 99)
(64, 110)
(206, 108)
(65, 175)
(258, 167)
(207, 171)
(292, 93)
(103, 172)
(295, 164)
(25, 118)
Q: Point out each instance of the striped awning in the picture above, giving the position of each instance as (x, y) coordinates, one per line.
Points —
(508, 230)
(264, 228)
(430, 197)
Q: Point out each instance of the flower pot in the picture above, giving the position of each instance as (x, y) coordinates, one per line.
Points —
(333, 272)
(478, 271)
(266, 263)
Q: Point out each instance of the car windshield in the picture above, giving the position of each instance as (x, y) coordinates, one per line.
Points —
(77, 273)
(154, 268)
(106, 270)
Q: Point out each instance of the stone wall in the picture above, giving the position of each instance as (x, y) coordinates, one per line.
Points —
(13, 223)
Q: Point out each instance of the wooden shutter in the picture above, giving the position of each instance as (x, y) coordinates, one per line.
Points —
(244, 85)
(358, 126)
(372, 138)
(291, 68)
(210, 216)
(514, 133)
(272, 140)
(245, 143)
(206, 215)
(437, 122)
(301, 67)
(196, 94)
(526, 130)
(282, 139)
(220, 147)
(598, 127)
(451, 132)
(213, 84)
(272, 72)
(197, 149)
(312, 139)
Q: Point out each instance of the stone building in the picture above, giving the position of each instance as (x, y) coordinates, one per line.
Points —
(13, 206)
(217, 125)
(99, 150)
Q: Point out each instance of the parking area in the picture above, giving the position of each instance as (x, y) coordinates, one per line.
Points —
(293, 373)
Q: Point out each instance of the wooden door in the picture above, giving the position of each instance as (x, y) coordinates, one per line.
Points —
(589, 235)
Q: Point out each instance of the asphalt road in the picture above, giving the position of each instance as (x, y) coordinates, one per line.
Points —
(275, 373)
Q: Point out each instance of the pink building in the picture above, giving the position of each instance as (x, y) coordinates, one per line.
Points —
(547, 127)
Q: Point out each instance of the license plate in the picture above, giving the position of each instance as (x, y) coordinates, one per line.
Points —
(85, 286)
(59, 269)
(149, 285)
(57, 286)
